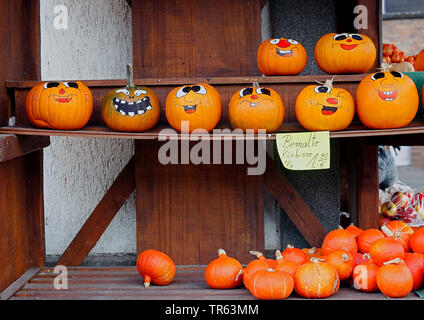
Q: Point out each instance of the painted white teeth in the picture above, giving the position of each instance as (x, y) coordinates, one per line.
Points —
(117, 100)
(131, 103)
(149, 107)
(139, 101)
(122, 112)
(140, 112)
(116, 107)
(131, 114)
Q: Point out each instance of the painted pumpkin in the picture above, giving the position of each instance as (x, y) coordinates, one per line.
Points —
(281, 57)
(256, 108)
(324, 108)
(132, 108)
(386, 99)
(59, 105)
(192, 107)
(345, 53)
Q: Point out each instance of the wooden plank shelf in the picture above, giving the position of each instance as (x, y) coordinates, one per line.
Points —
(98, 283)
(355, 130)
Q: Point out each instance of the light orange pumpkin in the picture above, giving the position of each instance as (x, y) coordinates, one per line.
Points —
(256, 108)
(132, 108)
(156, 267)
(59, 105)
(394, 279)
(271, 285)
(193, 107)
(281, 57)
(345, 53)
(224, 272)
(386, 99)
(324, 107)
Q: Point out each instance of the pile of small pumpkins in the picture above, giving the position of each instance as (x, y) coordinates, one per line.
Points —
(400, 62)
(389, 260)
(385, 99)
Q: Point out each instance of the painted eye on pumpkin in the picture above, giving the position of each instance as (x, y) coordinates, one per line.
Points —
(245, 92)
(124, 91)
(51, 85)
(322, 89)
(198, 89)
(340, 37)
(139, 92)
(263, 91)
(294, 42)
(378, 75)
(356, 36)
(397, 74)
(274, 41)
(185, 90)
(71, 85)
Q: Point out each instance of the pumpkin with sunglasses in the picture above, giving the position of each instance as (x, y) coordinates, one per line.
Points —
(345, 53)
(386, 99)
(59, 105)
(256, 108)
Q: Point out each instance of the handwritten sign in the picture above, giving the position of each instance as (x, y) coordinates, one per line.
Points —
(304, 150)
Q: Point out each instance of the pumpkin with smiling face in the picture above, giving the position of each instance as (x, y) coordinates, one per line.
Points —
(281, 57)
(324, 107)
(192, 107)
(132, 108)
(256, 108)
(386, 99)
(59, 105)
(345, 53)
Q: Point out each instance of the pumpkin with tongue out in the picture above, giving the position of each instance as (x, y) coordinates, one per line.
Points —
(386, 99)
(132, 108)
(323, 107)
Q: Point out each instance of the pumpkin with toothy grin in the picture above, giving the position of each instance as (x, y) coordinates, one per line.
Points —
(284, 53)
(132, 108)
(388, 95)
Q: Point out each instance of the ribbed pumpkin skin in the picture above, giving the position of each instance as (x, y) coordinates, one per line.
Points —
(224, 272)
(45, 111)
(333, 59)
(156, 265)
(339, 239)
(207, 114)
(377, 113)
(268, 114)
(138, 122)
(270, 63)
(253, 266)
(400, 231)
(367, 238)
(310, 107)
(271, 285)
(317, 280)
(386, 249)
(292, 253)
(343, 262)
(395, 280)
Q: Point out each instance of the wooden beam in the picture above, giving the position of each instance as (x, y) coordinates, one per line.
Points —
(293, 205)
(12, 146)
(100, 218)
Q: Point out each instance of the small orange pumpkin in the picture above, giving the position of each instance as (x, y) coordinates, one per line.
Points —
(282, 264)
(356, 231)
(198, 106)
(345, 53)
(291, 253)
(394, 279)
(271, 285)
(400, 231)
(261, 263)
(367, 238)
(417, 241)
(343, 261)
(281, 57)
(339, 239)
(156, 267)
(386, 249)
(256, 108)
(419, 61)
(224, 272)
(324, 107)
(59, 105)
(386, 99)
(416, 265)
(364, 277)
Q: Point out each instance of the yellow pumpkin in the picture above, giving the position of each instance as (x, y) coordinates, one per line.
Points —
(345, 53)
(59, 105)
(386, 99)
(281, 57)
(199, 106)
(324, 107)
(256, 108)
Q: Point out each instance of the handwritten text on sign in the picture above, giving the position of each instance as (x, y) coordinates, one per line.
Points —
(304, 150)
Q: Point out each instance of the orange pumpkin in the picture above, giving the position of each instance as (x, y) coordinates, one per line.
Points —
(339, 239)
(132, 108)
(271, 285)
(324, 107)
(261, 263)
(400, 231)
(316, 279)
(292, 253)
(345, 53)
(256, 108)
(364, 277)
(386, 99)
(417, 241)
(156, 267)
(192, 107)
(356, 231)
(312, 253)
(386, 249)
(394, 279)
(281, 57)
(282, 264)
(416, 265)
(59, 105)
(367, 238)
(419, 61)
(224, 272)
(343, 262)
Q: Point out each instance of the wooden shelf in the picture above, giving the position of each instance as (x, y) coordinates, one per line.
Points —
(355, 130)
(88, 283)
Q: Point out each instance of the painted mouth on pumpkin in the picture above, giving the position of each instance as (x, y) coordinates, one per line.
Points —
(348, 46)
(388, 95)
(190, 108)
(328, 111)
(132, 108)
(284, 53)
(63, 99)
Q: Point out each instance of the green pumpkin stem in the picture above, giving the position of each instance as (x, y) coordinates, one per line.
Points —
(130, 77)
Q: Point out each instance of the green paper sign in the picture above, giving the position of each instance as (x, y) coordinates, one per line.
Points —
(305, 150)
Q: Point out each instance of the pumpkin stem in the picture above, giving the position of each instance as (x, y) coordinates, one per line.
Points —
(130, 76)
(278, 255)
(221, 252)
(270, 270)
(256, 253)
(290, 246)
(147, 280)
(345, 257)
(314, 259)
(387, 231)
(255, 84)
(394, 261)
(339, 227)
(366, 255)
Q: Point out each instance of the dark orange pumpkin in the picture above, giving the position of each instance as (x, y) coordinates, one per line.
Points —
(156, 267)
(271, 285)
(416, 265)
(356, 231)
(367, 238)
(343, 262)
(282, 264)
(394, 279)
(417, 241)
(224, 272)
(339, 239)
(291, 253)
(364, 277)
(400, 231)
(261, 263)
(386, 249)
